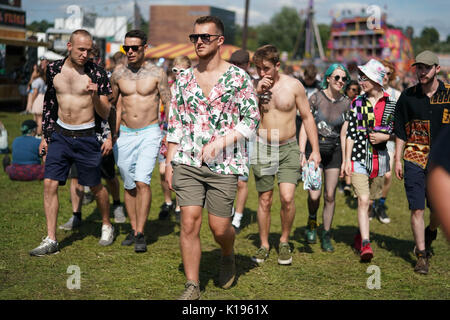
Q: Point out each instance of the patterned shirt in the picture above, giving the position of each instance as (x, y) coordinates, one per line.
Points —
(419, 120)
(50, 110)
(196, 120)
(364, 118)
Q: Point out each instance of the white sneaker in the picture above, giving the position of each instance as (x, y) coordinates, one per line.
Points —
(237, 220)
(119, 215)
(107, 235)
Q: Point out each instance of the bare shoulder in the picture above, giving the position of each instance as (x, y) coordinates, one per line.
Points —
(118, 73)
(149, 69)
(293, 84)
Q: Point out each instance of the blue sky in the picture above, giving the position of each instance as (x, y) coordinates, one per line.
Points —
(416, 13)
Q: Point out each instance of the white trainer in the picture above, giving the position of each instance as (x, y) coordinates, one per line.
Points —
(107, 235)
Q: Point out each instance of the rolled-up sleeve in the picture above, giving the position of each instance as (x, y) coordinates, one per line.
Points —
(174, 124)
(248, 109)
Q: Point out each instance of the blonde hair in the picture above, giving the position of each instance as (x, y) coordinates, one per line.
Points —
(183, 60)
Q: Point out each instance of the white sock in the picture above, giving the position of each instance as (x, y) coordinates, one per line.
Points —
(237, 219)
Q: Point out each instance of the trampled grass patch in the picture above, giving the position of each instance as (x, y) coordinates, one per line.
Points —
(116, 272)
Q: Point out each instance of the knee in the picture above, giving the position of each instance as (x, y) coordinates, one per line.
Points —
(50, 186)
(142, 186)
(265, 202)
(287, 200)
(96, 190)
(363, 201)
(242, 185)
(329, 197)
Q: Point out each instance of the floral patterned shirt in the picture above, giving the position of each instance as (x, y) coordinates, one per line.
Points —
(196, 120)
(50, 109)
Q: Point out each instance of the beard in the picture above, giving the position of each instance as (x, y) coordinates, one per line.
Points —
(427, 80)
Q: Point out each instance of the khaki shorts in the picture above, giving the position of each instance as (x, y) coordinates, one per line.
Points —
(363, 185)
(282, 161)
(202, 187)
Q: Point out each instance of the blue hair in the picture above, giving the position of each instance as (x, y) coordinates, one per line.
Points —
(330, 71)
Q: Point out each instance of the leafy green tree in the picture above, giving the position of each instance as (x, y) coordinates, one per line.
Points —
(39, 26)
(282, 30)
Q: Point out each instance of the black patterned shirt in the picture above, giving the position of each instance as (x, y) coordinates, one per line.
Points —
(50, 111)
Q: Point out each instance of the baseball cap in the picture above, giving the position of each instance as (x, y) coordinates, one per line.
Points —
(374, 70)
(27, 126)
(240, 57)
(427, 57)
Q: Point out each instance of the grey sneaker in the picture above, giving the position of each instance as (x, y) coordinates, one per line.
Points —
(191, 291)
(227, 271)
(107, 235)
(88, 198)
(284, 256)
(119, 215)
(129, 240)
(74, 222)
(46, 247)
(261, 255)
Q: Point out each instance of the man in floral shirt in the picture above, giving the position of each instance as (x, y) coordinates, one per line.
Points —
(213, 109)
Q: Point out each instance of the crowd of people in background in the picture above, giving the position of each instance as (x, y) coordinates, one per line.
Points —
(357, 124)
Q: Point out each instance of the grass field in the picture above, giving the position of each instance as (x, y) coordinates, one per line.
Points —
(117, 272)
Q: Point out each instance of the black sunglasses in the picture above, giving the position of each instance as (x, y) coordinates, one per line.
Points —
(134, 48)
(206, 38)
(337, 78)
(176, 70)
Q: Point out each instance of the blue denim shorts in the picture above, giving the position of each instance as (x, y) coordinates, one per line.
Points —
(135, 152)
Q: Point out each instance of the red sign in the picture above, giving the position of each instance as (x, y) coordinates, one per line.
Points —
(12, 18)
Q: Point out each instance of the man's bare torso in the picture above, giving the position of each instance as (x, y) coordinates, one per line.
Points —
(280, 110)
(140, 94)
(75, 105)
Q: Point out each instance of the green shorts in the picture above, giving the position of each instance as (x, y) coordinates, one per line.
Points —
(282, 161)
(201, 187)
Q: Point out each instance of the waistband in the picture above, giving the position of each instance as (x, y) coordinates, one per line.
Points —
(75, 127)
(75, 133)
(132, 130)
(280, 143)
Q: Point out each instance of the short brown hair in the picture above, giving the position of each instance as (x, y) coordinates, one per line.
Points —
(80, 32)
(268, 52)
(391, 66)
(212, 19)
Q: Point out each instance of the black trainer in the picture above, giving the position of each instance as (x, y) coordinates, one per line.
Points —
(165, 211)
(140, 245)
(381, 213)
(129, 240)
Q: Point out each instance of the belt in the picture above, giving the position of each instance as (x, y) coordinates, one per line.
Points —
(75, 133)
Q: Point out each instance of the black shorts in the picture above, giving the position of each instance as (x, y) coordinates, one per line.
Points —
(415, 186)
(329, 161)
(108, 167)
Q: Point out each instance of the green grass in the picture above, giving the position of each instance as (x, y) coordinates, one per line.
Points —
(116, 272)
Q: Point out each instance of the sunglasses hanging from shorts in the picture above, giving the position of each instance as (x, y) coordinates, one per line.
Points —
(206, 38)
(134, 48)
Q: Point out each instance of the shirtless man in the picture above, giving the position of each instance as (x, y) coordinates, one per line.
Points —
(140, 85)
(277, 152)
(75, 101)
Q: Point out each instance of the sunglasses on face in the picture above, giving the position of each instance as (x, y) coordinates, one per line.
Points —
(337, 78)
(388, 73)
(176, 70)
(206, 38)
(134, 48)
